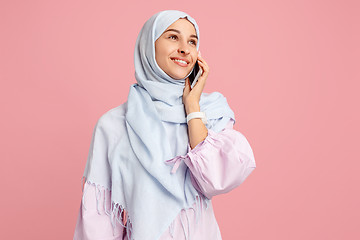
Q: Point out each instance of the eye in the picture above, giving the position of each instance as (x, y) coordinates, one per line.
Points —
(173, 36)
(193, 42)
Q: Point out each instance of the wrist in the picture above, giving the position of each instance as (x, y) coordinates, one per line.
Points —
(194, 107)
(196, 115)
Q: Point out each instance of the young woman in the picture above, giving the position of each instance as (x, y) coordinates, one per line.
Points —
(156, 161)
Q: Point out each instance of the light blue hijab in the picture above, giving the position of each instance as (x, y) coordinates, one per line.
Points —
(141, 182)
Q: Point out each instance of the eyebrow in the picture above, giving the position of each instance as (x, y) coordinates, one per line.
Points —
(175, 30)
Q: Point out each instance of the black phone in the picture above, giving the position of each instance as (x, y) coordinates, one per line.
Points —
(195, 74)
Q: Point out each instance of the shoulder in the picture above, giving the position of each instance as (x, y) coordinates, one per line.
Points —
(113, 114)
(112, 122)
(213, 99)
(213, 96)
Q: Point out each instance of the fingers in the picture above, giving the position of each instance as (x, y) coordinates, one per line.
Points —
(199, 85)
(187, 87)
(203, 64)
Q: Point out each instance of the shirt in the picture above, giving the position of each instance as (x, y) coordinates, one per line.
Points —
(218, 164)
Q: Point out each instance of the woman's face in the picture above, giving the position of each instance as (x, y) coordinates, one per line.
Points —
(178, 41)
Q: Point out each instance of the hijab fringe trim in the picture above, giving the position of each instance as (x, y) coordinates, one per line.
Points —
(118, 213)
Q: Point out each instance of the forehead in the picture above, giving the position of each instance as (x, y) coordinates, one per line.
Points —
(184, 25)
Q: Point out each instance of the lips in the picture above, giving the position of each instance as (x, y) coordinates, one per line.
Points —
(181, 61)
(184, 59)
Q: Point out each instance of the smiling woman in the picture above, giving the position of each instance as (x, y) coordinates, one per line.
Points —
(154, 165)
(175, 49)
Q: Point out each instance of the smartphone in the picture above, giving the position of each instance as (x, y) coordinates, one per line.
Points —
(195, 74)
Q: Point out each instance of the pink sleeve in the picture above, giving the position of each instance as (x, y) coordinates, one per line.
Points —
(93, 223)
(221, 162)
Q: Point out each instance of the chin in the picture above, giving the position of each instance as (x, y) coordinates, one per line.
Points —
(178, 75)
(177, 78)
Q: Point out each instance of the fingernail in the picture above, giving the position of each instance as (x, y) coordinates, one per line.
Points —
(199, 53)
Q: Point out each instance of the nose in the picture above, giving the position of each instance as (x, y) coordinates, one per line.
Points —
(183, 49)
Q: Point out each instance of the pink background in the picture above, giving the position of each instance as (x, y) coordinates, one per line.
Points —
(289, 69)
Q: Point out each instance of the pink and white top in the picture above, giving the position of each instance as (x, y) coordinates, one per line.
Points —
(218, 164)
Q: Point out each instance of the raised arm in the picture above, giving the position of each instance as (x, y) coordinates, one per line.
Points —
(220, 163)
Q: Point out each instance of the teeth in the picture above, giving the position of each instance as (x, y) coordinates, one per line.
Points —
(179, 61)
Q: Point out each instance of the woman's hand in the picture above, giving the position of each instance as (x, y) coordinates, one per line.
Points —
(191, 97)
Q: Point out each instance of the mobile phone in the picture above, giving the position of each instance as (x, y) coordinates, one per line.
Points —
(195, 74)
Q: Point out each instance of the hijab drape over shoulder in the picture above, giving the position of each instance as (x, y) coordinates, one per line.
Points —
(140, 181)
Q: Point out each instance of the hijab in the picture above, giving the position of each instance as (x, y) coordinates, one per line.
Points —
(137, 174)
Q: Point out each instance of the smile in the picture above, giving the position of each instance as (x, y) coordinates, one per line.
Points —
(180, 62)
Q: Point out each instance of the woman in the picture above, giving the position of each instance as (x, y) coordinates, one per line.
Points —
(153, 164)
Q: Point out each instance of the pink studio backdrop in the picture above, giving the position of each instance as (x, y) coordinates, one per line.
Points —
(289, 70)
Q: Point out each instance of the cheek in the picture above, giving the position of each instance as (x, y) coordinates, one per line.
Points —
(161, 53)
(159, 56)
(194, 57)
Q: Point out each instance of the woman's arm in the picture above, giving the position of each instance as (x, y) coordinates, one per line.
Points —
(218, 161)
(197, 130)
(221, 162)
